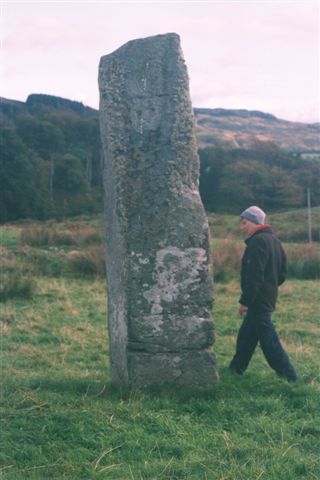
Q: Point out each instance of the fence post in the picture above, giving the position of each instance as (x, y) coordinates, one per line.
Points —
(309, 216)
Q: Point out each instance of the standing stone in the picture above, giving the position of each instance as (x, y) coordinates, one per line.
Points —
(159, 271)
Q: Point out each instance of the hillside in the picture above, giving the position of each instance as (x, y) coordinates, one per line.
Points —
(40, 105)
(51, 159)
(230, 129)
(242, 129)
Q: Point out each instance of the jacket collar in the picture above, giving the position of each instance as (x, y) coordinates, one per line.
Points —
(265, 228)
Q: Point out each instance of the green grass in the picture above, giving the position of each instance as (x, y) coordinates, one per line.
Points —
(292, 226)
(44, 248)
(9, 236)
(61, 419)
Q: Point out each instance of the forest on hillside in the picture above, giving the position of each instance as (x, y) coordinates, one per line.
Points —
(51, 166)
(265, 175)
(50, 159)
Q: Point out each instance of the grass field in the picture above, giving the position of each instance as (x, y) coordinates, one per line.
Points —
(62, 419)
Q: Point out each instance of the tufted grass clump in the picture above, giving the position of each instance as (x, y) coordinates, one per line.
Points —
(90, 262)
(16, 283)
(87, 235)
(53, 234)
(39, 235)
(304, 262)
(46, 263)
(226, 259)
(13, 285)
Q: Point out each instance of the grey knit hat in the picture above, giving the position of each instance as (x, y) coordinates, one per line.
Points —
(254, 214)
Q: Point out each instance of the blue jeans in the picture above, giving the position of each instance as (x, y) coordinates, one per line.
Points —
(258, 327)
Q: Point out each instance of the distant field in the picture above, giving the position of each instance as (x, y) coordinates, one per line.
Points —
(291, 226)
(75, 248)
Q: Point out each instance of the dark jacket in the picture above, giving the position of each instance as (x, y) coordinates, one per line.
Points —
(263, 268)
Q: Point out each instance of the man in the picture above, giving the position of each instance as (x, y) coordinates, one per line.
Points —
(263, 269)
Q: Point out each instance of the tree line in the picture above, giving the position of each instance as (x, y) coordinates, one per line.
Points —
(50, 163)
(51, 166)
(265, 175)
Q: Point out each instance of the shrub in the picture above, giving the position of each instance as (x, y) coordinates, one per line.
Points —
(35, 236)
(304, 262)
(46, 263)
(88, 235)
(49, 235)
(226, 259)
(297, 234)
(45, 235)
(90, 262)
(16, 282)
(62, 237)
(14, 285)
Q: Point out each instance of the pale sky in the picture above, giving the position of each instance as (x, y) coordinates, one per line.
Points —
(256, 55)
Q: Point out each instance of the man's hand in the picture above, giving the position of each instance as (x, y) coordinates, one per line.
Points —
(243, 309)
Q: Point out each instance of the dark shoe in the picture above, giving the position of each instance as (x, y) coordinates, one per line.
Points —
(291, 377)
(235, 370)
(292, 380)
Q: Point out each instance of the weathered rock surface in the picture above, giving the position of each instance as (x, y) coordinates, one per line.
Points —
(159, 271)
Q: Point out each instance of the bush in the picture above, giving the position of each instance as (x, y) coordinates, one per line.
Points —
(304, 262)
(49, 264)
(13, 285)
(298, 234)
(88, 263)
(87, 235)
(226, 259)
(49, 235)
(35, 236)
(45, 235)
(16, 283)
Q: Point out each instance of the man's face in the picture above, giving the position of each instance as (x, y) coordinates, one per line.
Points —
(248, 227)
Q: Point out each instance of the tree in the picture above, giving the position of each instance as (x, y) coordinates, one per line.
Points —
(70, 185)
(285, 191)
(265, 175)
(22, 180)
(308, 176)
(213, 161)
(40, 135)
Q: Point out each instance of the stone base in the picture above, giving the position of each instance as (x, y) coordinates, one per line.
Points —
(195, 370)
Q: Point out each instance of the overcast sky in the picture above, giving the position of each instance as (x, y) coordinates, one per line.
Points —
(257, 55)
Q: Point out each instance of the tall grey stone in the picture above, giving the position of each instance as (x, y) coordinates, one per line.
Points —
(159, 272)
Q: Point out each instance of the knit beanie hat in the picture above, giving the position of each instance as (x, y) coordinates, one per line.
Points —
(254, 214)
